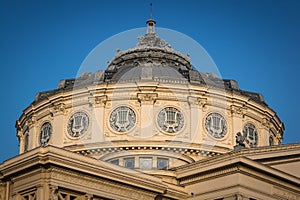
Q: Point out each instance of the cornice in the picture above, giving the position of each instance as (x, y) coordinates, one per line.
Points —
(49, 155)
(252, 153)
(62, 97)
(243, 166)
(237, 161)
(111, 189)
(276, 151)
(183, 148)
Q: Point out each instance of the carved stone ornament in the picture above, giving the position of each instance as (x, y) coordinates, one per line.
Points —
(199, 101)
(98, 100)
(122, 119)
(251, 136)
(53, 192)
(45, 134)
(31, 120)
(170, 120)
(152, 40)
(238, 110)
(101, 100)
(216, 125)
(239, 139)
(147, 98)
(78, 124)
(57, 108)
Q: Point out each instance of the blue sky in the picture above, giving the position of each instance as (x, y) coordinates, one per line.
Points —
(255, 42)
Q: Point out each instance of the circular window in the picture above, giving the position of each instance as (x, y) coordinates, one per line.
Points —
(45, 134)
(251, 135)
(122, 119)
(170, 120)
(216, 125)
(78, 124)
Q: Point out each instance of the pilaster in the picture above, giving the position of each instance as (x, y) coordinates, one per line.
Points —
(147, 101)
(98, 104)
(196, 105)
(237, 113)
(57, 113)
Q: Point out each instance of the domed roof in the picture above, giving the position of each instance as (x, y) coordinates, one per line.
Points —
(176, 116)
(149, 73)
(151, 59)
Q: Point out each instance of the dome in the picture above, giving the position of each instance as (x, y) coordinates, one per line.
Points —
(152, 59)
(150, 110)
(149, 73)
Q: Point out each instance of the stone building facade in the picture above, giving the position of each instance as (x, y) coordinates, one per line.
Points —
(150, 126)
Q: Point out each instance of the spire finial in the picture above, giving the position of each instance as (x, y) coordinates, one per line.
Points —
(150, 23)
(150, 10)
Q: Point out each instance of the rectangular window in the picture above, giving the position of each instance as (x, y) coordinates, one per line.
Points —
(145, 163)
(162, 163)
(116, 161)
(129, 163)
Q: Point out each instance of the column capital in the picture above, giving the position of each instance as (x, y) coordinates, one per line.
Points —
(238, 110)
(197, 101)
(98, 100)
(147, 98)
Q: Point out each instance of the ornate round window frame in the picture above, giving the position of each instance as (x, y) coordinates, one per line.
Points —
(251, 138)
(122, 119)
(45, 133)
(78, 124)
(170, 120)
(216, 125)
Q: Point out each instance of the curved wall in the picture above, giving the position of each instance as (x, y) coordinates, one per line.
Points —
(180, 122)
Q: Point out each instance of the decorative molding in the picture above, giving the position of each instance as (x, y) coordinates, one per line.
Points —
(147, 98)
(284, 194)
(197, 101)
(84, 182)
(19, 130)
(193, 101)
(98, 100)
(239, 111)
(31, 120)
(265, 122)
(57, 108)
(53, 192)
(181, 150)
(208, 175)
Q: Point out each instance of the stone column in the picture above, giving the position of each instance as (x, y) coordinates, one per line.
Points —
(53, 192)
(40, 194)
(8, 190)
